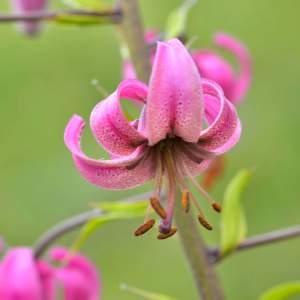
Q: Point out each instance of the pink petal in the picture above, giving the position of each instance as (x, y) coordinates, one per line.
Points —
(19, 278)
(193, 168)
(111, 174)
(128, 71)
(47, 280)
(214, 67)
(174, 103)
(29, 6)
(78, 276)
(240, 51)
(224, 128)
(108, 123)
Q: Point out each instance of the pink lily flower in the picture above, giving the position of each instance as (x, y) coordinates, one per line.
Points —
(214, 67)
(22, 278)
(169, 141)
(77, 276)
(29, 6)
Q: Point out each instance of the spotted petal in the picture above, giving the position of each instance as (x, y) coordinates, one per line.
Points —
(174, 102)
(109, 125)
(224, 128)
(120, 173)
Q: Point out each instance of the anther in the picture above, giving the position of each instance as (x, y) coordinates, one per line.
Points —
(185, 200)
(217, 207)
(144, 227)
(204, 223)
(158, 208)
(163, 236)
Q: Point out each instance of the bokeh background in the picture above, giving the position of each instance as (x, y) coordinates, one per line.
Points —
(43, 81)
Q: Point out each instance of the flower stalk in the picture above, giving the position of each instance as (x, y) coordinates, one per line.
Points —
(195, 251)
(114, 16)
(133, 33)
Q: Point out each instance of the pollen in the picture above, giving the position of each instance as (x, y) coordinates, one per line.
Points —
(163, 236)
(144, 227)
(156, 205)
(217, 207)
(185, 200)
(204, 223)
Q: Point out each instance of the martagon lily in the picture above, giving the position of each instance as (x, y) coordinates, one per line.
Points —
(184, 123)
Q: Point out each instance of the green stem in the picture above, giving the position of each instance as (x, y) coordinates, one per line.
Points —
(133, 32)
(113, 16)
(196, 253)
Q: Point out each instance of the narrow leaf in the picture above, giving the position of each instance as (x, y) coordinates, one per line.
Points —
(83, 20)
(112, 211)
(282, 291)
(176, 21)
(123, 206)
(145, 294)
(87, 4)
(233, 222)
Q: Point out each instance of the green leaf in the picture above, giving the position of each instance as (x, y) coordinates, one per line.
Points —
(87, 4)
(282, 291)
(145, 294)
(112, 211)
(123, 206)
(81, 20)
(233, 221)
(176, 21)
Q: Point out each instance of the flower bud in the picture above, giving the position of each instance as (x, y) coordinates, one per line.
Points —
(77, 276)
(214, 67)
(22, 278)
(30, 28)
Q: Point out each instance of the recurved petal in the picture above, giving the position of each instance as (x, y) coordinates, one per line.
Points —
(224, 128)
(193, 168)
(174, 102)
(237, 48)
(77, 276)
(119, 173)
(19, 278)
(109, 124)
(47, 280)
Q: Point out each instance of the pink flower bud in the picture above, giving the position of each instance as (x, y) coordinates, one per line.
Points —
(22, 278)
(77, 276)
(29, 6)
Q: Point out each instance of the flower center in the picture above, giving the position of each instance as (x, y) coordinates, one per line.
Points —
(169, 157)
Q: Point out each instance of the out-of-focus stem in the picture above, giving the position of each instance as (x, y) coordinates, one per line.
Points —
(133, 33)
(260, 240)
(113, 15)
(63, 228)
(72, 223)
(195, 251)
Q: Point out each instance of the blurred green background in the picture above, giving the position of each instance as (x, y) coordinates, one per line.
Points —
(43, 81)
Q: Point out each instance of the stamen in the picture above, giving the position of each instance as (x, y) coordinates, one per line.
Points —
(185, 200)
(204, 223)
(155, 203)
(217, 207)
(144, 227)
(159, 173)
(163, 236)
